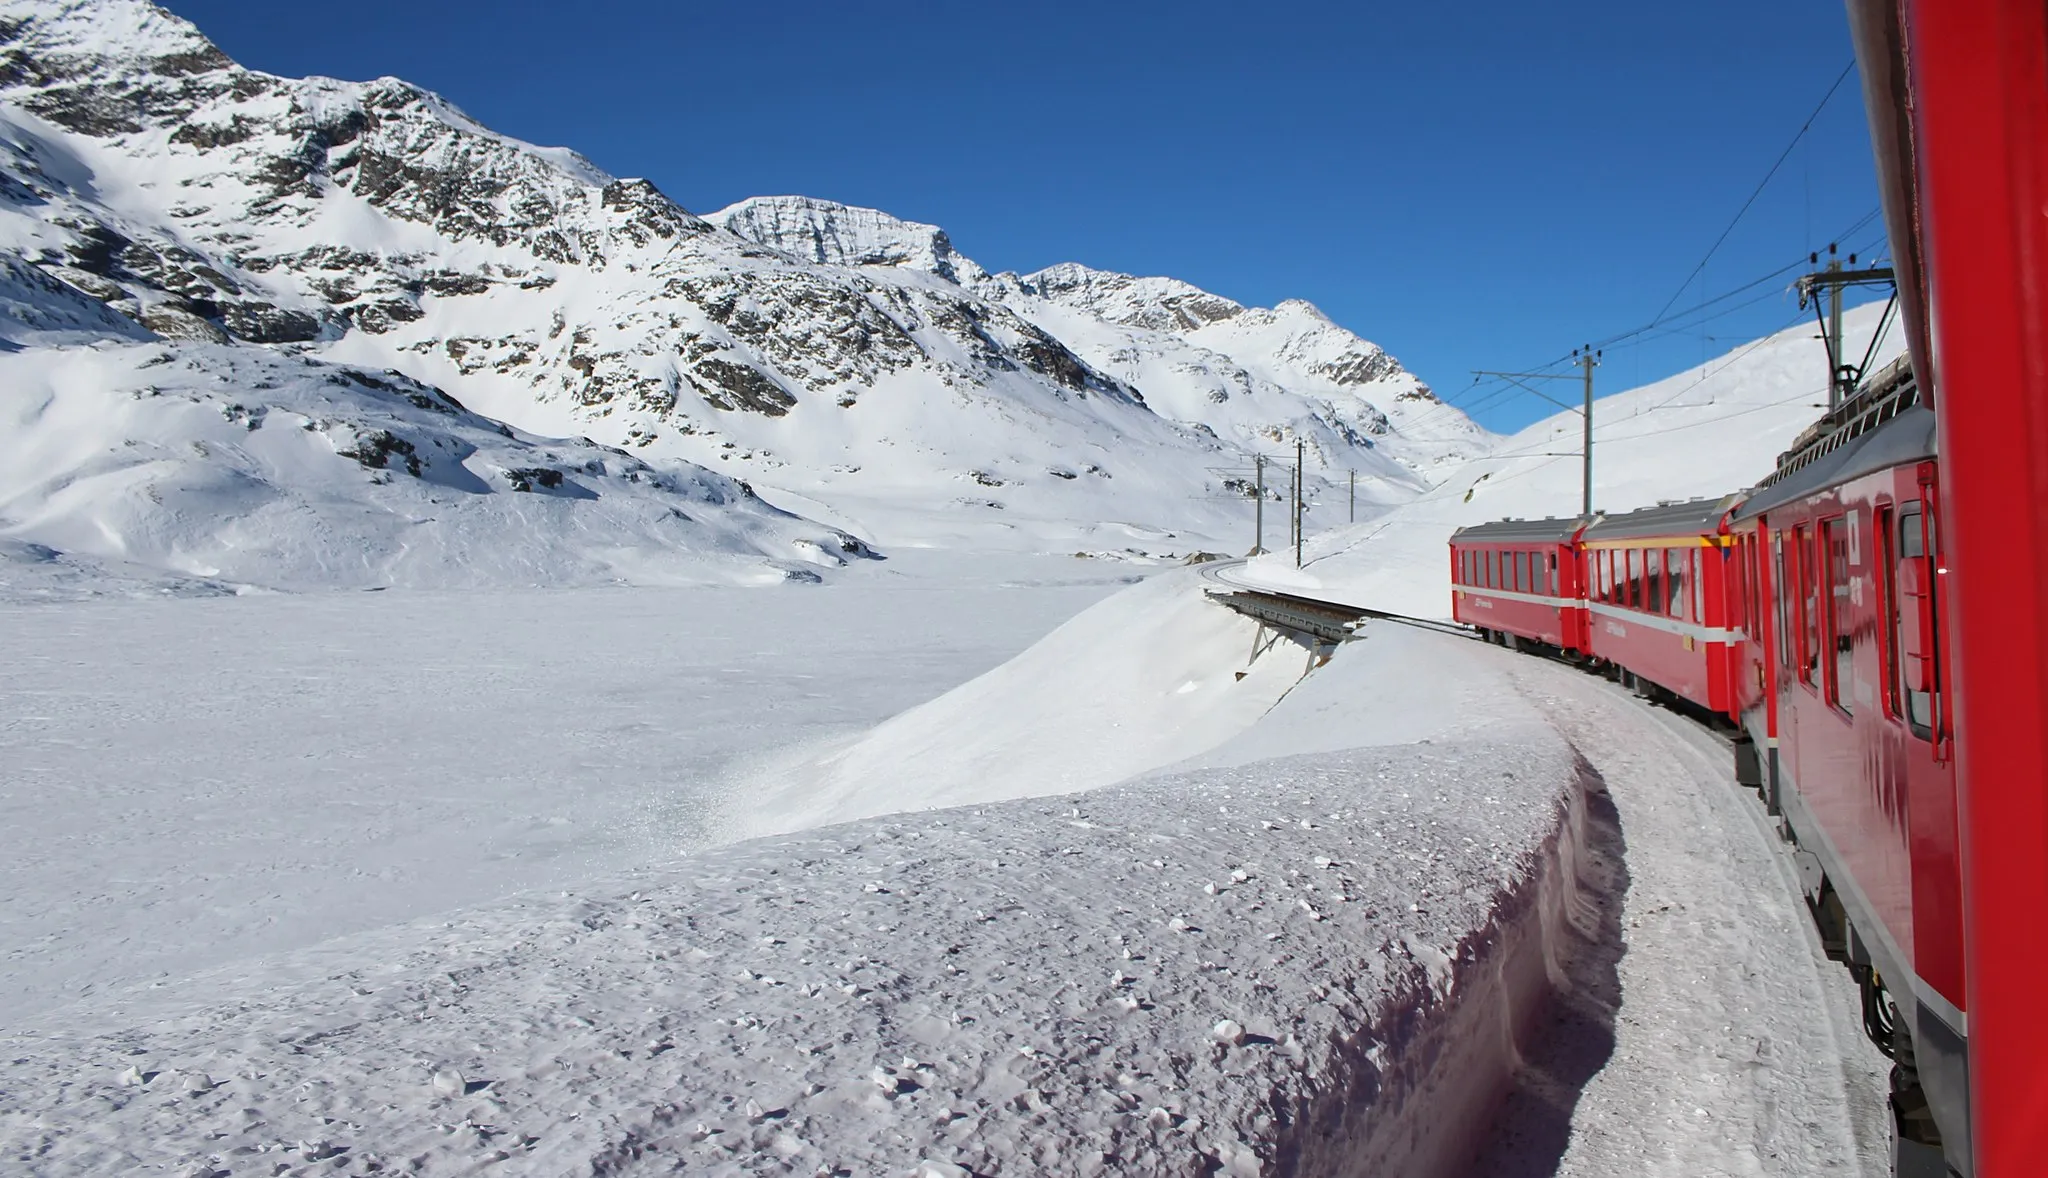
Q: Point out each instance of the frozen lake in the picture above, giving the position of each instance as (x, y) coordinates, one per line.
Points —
(184, 783)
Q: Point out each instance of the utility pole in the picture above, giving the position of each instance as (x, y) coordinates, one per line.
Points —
(1830, 284)
(1354, 497)
(1586, 359)
(1259, 511)
(1299, 447)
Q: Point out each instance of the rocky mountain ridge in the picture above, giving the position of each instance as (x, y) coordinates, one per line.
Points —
(854, 361)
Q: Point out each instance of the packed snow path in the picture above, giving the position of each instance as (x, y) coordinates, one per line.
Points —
(1725, 1042)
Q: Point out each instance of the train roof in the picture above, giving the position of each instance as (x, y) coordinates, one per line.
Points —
(1509, 531)
(1908, 437)
(1694, 517)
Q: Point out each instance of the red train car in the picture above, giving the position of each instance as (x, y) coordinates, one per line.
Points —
(1853, 706)
(1957, 93)
(1518, 582)
(1658, 600)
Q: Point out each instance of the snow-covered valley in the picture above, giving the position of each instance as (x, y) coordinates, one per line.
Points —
(264, 773)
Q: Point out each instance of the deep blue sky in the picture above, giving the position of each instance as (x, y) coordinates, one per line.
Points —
(1477, 185)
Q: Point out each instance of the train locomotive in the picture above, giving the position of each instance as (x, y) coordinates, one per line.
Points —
(1868, 622)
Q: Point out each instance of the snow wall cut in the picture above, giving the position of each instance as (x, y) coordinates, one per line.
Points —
(1312, 965)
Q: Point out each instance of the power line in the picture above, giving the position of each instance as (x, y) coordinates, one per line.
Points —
(1621, 339)
(1761, 185)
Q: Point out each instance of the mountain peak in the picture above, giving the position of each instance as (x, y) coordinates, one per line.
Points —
(835, 234)
(121, 30)
(1159, 304)
(1303, 309)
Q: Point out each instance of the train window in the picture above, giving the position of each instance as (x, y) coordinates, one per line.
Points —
(1741, 599)
(1486, 574)
(1784, 597)
(1887, 595)
(1674, 583)
(1749, 585)
(1695, 573)
(1550, 560)
(1841, 662)
(1521, 572)
(1915, 612)
(1809, 605)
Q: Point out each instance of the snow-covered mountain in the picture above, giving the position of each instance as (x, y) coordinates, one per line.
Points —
(851, 365)
(834, 234)
(1254, 374)
(1252, 377)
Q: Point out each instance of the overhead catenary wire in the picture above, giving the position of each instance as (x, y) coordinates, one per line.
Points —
(1493, 391)
(1761, 185)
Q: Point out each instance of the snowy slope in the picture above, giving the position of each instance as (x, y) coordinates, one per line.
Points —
(1706, 432)
(1146, 678)
(240, 466)
(856, 366)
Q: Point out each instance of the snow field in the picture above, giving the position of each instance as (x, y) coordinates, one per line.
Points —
(1282, 963)
(190, 783)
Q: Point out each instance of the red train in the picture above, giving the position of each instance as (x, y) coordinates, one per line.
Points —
(1872, 619)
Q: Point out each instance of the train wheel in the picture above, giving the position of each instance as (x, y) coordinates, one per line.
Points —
(1916, 1142)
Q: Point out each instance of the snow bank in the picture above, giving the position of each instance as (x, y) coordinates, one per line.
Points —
(1314, 963)
(1141, 680)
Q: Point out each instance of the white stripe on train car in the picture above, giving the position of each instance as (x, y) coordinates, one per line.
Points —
(1619, 613)
(1668, 625)
(1511, 595)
